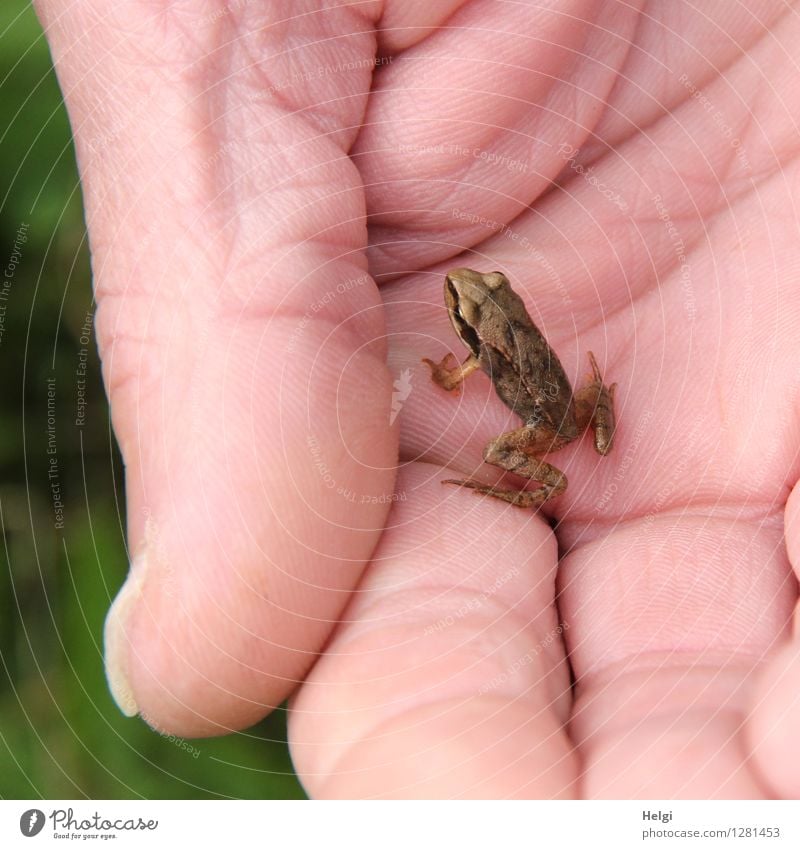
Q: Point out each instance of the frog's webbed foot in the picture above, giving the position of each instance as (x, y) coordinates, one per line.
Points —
(553, 481)
(594, 406)
(450, 375)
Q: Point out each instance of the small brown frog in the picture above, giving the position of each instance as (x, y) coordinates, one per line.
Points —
(491, 320)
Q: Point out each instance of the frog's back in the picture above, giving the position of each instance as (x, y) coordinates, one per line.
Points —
(529, 378)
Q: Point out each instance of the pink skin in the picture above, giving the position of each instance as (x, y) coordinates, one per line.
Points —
(223, 205)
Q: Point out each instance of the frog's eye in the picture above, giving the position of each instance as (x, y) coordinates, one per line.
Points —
(494, 280)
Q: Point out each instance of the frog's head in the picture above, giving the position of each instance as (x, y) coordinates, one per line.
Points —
(470, 297)
(464, 284)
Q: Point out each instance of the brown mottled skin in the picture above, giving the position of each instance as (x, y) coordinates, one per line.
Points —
(492, 322)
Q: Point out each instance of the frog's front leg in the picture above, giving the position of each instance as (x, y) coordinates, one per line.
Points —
(514, 452)
(594, 406)
(451, 377)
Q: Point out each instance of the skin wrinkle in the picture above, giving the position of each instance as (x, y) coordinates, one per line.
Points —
(607, 683)
(477, 652)
(335, 772)
(371, 732)
(664, 106)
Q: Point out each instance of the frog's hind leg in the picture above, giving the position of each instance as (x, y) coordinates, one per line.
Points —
(594, 406)
(507, 452)
(519, 498)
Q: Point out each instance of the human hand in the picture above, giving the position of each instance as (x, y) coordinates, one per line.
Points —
(242, 381)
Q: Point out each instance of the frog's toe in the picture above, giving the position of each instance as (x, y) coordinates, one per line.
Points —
(519, 497)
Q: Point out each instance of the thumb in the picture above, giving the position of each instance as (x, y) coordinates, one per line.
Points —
(239, 334)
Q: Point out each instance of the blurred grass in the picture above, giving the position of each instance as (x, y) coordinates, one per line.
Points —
(61, 736)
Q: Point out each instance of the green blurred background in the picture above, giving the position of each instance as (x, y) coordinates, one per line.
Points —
(61, 736)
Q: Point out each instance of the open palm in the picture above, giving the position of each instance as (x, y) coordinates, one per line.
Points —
(633, 177)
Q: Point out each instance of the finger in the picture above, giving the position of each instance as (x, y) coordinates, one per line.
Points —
(467, 128)
(773, 728)
(239, 337)
(668, 618)
(447, 677)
